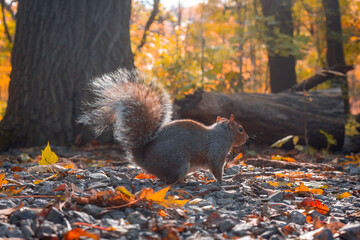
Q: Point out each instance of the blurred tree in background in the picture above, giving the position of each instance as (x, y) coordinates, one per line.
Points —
(221, 45)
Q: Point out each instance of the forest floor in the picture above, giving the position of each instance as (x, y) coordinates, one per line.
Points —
(91, 192)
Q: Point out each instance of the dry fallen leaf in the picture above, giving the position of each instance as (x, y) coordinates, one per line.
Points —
(2, 179)
(343, 195)
(145, 176)
(47, 156)
(76, 233)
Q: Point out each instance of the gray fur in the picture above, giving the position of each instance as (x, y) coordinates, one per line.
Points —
(109, 109)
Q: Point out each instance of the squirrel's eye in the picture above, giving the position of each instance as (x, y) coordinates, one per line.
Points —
(240, 129)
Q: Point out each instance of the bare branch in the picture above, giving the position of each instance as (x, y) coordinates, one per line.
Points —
(151, 19)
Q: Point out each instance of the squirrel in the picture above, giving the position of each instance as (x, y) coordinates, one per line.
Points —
(139, 112)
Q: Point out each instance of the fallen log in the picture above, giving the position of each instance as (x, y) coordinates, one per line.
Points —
(270, 117)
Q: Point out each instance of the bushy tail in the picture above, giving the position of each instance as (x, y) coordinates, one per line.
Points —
(130, 104)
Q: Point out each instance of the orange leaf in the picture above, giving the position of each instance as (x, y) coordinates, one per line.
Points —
(302, 188)
(17, 169)
(16, 176)
(2, 179)
(69, 166)
(282, 158)
(317, 191)
(76, 233)
(145, 176)
(162, 213)
(159, 198)
(59, 188)
(343, 195)
(239, 156)
(17, 191)
(321, 208)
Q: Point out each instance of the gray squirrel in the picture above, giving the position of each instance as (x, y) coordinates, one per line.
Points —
(139, 110)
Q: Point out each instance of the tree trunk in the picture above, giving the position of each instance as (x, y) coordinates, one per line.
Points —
(334, 51)
(59, 46)
(270, 117)
(281, 61)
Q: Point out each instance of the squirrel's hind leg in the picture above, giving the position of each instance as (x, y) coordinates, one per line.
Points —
(179, 170)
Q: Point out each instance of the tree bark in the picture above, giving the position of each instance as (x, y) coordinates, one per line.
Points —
(270, 117)
(334, 42)
(281, 61)
(59, 46)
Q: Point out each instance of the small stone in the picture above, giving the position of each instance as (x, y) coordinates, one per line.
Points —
(115, 215)
(46, 229)
(55, 216)
(350, 231)
(95, 185)
(325, 234)
(14, 232)
(82, 217)
(226, 225)
(39, 203)
(3, 228)
(118, 181)
(47, 187)
(6, 203)
(93, 210)
(108, 222)
(241, 229)
(354, 171)
(136, 218)
(276, 197)
(99, 176)
(22, 214)
(296, 217)
(233, 170)
(225, 201)
(27, 231)
(209, 200)
(7, 164)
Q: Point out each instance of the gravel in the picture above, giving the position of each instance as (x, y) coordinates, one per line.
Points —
(247, 208)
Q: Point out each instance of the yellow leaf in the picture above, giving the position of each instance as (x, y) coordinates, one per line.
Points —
(343, 195)
(172, 200)
(295, 140)
(159, 195)
(47, 156)
(124, 191)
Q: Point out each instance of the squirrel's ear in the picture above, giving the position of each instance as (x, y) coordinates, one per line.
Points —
(218, 119)
(232, 118)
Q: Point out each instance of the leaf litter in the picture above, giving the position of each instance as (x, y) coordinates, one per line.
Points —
(96, 195)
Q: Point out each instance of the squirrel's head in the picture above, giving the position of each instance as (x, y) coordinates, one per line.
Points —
(236, 130)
